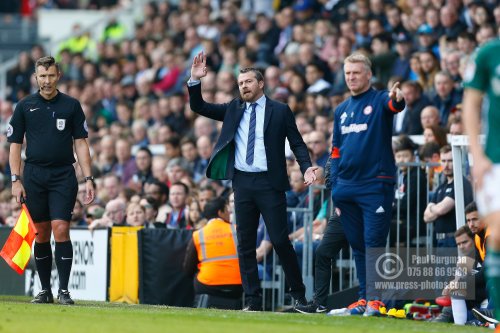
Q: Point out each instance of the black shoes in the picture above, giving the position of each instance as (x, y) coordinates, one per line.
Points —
(43, 297)
(64, 297)
(311, 307)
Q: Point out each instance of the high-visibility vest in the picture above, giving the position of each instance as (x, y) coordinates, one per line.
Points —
(481, 243)
(216, 247)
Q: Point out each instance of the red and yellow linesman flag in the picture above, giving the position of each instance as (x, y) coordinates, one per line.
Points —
(17, 249)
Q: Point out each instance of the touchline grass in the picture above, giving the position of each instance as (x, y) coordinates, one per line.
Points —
(18, 315)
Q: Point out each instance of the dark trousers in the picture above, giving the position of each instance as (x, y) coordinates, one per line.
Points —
(365, 213)
(333, 241)
(253, 196)
(227, 291)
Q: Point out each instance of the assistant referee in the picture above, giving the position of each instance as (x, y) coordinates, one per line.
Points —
(52, 122)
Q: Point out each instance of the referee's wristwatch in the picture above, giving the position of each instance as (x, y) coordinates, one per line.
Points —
(14, 178)
(91, 178)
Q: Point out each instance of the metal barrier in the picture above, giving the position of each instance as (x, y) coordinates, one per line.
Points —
(415, 233)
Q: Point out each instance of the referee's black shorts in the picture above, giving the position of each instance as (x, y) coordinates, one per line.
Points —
(50, 192)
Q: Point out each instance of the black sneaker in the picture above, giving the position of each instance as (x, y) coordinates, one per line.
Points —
(312, 307)
(43, 297)
(64, 297)
(485, 316)
(300, 301)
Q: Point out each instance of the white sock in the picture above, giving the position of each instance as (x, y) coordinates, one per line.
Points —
(459, 309)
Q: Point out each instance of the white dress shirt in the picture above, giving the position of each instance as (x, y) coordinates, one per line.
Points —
(241, 139)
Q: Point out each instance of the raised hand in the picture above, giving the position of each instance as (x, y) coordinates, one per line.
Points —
(199, 66)
(395, 93)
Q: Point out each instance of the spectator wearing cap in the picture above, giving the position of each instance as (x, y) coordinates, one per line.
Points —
(305, 10)
(446, 97)
(129, 90)
(383, 57)
(401, 66)
(426, 39)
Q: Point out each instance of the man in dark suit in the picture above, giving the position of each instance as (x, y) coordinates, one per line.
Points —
(251, 152)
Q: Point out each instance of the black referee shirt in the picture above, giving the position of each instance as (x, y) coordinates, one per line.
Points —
(50, 127)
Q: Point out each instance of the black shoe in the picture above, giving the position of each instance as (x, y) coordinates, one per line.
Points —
(485, 316)
(474, 322)
(64, 297)
(312, 307)
(43, 297)
(446, 316)
(300, 301)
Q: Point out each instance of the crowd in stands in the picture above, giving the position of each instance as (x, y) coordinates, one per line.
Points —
(150, 151)
(28, 8)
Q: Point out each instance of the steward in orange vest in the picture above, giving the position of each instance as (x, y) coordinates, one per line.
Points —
(213, 253)
(478, 228)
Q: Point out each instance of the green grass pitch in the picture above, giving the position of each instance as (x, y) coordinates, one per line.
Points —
(18, 315)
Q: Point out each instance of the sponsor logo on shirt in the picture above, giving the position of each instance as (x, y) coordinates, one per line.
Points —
(354, 128)
(343, 117)
(61, 124)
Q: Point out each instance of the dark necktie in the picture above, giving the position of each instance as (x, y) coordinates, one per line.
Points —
(251, 135)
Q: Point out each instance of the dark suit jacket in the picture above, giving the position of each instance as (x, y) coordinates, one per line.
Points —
(279, 123)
